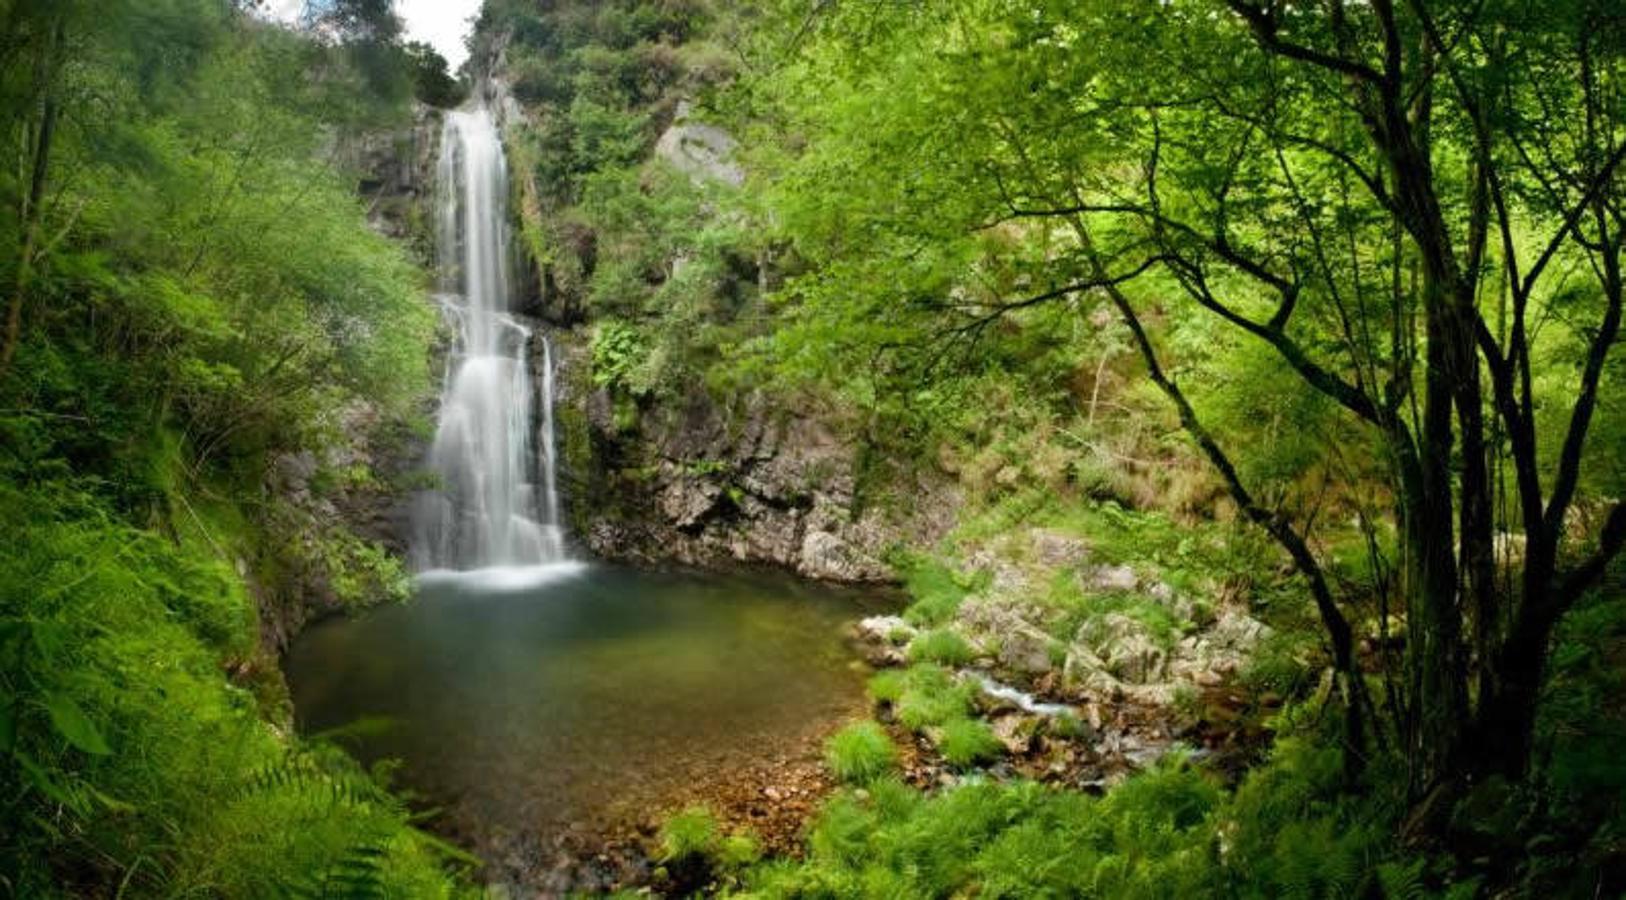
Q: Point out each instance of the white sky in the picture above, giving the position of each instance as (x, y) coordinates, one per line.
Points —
(440, 23)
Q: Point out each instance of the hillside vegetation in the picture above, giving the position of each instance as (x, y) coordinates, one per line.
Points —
(192, 293)
(1297, 315)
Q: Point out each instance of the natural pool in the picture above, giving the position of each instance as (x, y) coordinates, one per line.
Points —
(524, 707)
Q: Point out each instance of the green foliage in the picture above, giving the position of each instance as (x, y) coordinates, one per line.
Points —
(619, 353)
(1288, 831)
(969, 742)
(886, 686)
(943, 646)
(936, 589)
(204, 295)
(860, 753)
(694, 850)
(692, 832)
(432, 83)
(931, 696)
(124, 733)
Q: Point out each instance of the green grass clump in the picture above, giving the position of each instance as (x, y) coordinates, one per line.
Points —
(936, 589)
(689, 834)
(860, 753)
(1077, 607)
(931, 696)
(969, 742)
(944, 646)
(886, 686)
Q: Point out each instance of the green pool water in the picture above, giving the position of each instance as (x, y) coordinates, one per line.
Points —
(521, 706)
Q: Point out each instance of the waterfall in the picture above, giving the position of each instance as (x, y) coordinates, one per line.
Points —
(495, 504)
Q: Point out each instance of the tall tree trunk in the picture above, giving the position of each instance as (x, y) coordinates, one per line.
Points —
(45, 79)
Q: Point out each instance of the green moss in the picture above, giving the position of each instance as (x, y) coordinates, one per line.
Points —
(860, 753)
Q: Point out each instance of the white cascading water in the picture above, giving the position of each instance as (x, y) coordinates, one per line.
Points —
(488, 511)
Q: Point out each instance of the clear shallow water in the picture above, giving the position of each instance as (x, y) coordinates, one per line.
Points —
(527, 701)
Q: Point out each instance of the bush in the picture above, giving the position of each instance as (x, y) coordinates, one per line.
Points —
(944, 646)
(128, 738)
(860, 753)
(969, 742)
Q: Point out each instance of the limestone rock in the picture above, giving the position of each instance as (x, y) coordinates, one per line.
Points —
(1126, 647)
(1056, 550)
(999, 622)
(703, 152)
(1111, 578)
(686, 501)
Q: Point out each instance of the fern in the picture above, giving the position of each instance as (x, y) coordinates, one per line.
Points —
(1403, 880)
(358, 874)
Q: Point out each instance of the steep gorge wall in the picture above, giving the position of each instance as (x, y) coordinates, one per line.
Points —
(711, 481)
(336, 521)
(695, 478)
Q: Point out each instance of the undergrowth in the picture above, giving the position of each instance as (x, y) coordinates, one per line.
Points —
(135, 762)
(1288, 831)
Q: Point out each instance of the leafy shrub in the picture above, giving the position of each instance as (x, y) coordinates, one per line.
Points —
(944, 646)
(126, 734)
(860, 753)
(968, 742)
(1280, 665)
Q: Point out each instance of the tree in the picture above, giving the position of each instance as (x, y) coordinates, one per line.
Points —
(1411, 208)
(432, 81)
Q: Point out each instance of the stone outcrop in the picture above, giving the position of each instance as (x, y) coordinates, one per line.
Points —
(699, 483)
(701, 151)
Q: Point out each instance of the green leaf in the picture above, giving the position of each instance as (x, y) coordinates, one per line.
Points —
(72, 723)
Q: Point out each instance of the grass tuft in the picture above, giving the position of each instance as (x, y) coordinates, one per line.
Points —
(969, 742)
(860, 753)
(941, 645)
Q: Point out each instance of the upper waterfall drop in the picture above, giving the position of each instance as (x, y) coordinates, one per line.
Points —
(496, 505)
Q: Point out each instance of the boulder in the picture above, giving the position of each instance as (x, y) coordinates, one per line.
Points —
(687, 501)
(885, 629)
(999, 622)
(703, 152)
(1056, 550)
(827, 555)
(1111, 578)
(1126, 648)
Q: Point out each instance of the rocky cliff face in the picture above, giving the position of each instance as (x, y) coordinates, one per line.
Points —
(337, 521)
(703, 482)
